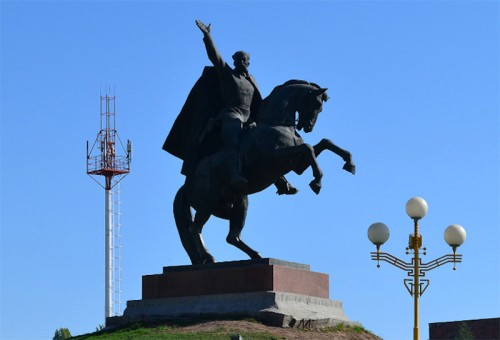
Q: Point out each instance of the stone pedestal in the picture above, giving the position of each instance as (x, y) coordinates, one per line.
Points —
(277, 292)
(235, 277)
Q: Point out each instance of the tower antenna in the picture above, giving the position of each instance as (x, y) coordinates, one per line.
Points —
(103, 160)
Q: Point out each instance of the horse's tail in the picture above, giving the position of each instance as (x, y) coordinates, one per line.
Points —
(183, 219)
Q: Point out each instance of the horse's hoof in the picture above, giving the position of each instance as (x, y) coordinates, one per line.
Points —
(315, 187)
(256, 256)
(350, 168)
(209, 259)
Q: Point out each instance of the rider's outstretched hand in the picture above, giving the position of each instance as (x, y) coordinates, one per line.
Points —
(205, 29)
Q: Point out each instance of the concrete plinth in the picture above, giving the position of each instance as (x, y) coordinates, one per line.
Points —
(277, 292)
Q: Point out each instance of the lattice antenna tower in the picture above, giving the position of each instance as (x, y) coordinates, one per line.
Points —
(103, 160)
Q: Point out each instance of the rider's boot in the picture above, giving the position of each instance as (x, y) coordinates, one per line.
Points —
(284, 187)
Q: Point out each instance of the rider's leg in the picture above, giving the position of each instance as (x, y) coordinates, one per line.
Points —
(284, 187)
(231, 131)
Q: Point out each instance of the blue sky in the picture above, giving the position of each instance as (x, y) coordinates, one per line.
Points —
(414, 89)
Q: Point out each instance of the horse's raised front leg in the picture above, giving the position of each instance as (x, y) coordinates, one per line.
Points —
(303, 156)
(200, 218)
(326, 144)
(236, 224)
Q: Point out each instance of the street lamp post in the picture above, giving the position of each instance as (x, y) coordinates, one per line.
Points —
(454, 235)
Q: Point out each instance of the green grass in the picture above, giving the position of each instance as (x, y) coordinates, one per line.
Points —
(358, 329)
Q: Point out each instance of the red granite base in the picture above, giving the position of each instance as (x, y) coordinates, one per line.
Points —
(236, 277)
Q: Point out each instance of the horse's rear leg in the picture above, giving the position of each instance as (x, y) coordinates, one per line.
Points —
(236, 224)
(326, 144)
(200, 218)
(183, 220)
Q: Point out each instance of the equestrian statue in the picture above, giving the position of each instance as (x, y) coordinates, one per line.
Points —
(233, 144)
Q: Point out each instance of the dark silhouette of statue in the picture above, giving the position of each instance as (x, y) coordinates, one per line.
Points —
(234, 144)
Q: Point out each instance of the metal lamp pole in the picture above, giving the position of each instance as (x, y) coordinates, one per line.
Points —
(454, 235)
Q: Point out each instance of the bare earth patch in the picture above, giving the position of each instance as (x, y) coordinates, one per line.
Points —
(279, 333)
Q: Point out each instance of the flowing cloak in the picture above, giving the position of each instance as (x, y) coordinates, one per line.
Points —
(202, 106)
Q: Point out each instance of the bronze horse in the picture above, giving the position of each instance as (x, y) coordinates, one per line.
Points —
(269, 150)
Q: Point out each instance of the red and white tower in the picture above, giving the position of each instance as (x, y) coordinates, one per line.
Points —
(104, 160)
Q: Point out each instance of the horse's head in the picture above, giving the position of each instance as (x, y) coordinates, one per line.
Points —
(280, 107)
(311, 106)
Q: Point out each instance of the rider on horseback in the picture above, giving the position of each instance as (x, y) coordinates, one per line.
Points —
(241, 99)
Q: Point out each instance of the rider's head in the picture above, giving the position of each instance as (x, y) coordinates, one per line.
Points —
(241, 60)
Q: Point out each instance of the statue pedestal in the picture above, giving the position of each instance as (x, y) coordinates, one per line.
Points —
(277, 292)
(235, 277)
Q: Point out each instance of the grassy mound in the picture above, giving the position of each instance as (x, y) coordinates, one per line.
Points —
(247, 329)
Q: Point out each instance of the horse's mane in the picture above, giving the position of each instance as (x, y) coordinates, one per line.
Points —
(303, 82)
(298, 82)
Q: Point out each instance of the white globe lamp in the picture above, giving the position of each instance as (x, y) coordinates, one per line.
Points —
(416, 208)
(455, 235)
(378, 233)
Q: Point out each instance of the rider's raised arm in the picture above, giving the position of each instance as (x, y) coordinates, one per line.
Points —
(213, 53)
